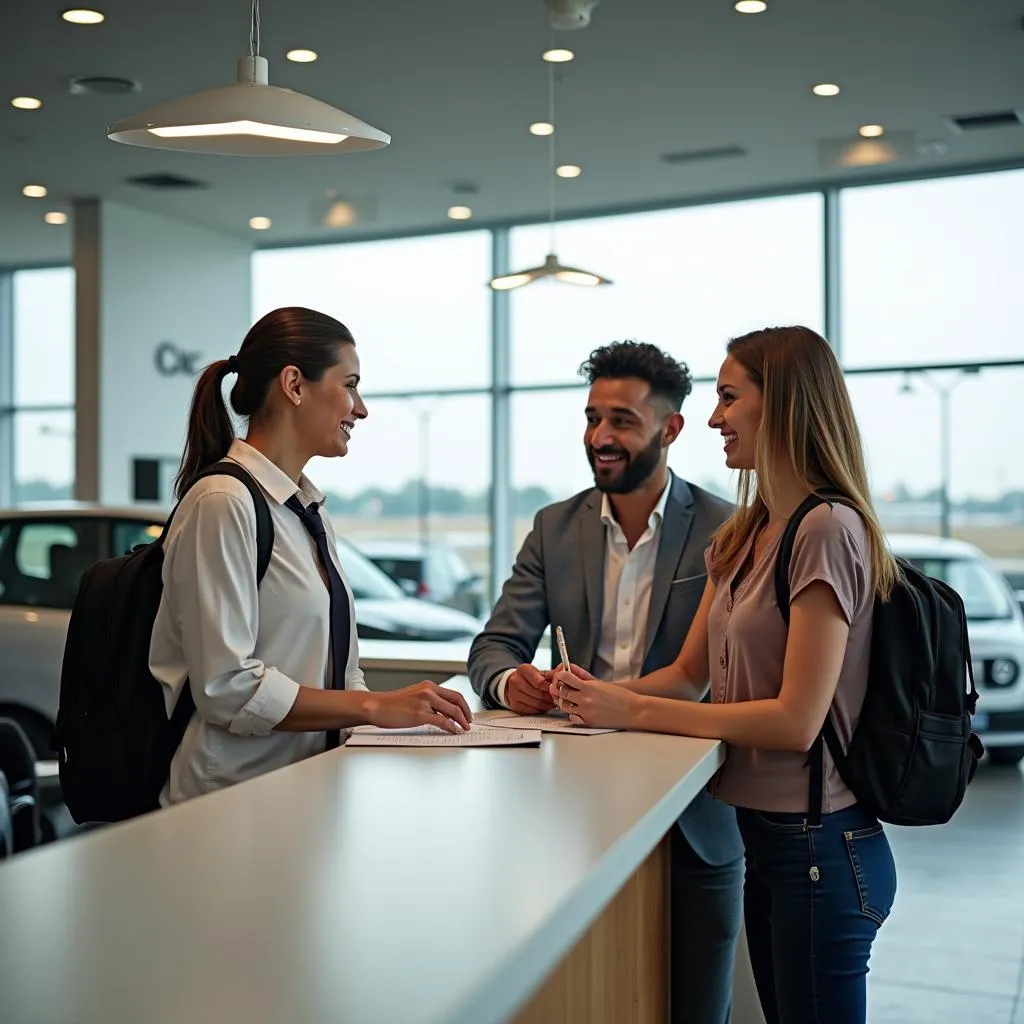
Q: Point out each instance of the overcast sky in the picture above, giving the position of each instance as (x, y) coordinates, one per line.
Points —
(932, 273)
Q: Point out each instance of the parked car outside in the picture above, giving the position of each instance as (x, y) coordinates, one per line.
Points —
(1013, 570)
(45, 549)
(431, 571)
(995, 627)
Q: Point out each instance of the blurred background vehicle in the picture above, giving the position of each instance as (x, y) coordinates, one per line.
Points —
(45, 550)
(432, 571)
(995, 625)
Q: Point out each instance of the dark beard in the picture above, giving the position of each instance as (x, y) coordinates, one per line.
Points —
(637, 471)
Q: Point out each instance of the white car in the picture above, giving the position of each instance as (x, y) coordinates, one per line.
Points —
(995, 626)
(45, 549)
(43, 552)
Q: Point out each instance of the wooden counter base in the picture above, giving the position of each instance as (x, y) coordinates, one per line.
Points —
(618, 971)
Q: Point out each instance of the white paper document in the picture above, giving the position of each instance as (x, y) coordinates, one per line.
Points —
(432, 736)
(556, 722)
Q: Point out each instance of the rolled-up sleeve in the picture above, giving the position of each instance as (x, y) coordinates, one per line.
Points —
(210, 568)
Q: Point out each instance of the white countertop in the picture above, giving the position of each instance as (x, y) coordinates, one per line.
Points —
(367, 886)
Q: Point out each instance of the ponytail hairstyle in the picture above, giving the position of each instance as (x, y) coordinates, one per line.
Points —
(290, 336)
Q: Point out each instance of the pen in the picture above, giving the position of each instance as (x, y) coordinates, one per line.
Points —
(560, 640)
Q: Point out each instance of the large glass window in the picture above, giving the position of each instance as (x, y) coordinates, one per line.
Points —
(902, 418)
(686, 280)
(418, 472)
(37, 459)
(44, 455)
(419, 308)
(44, 337)
(931, 270)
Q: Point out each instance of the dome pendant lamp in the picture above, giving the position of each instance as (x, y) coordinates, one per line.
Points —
(249, 118)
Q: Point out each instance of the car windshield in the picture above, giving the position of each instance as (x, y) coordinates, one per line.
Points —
(983, 593)
(366, 580)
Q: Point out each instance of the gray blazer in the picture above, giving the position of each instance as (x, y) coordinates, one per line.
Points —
(558, 579)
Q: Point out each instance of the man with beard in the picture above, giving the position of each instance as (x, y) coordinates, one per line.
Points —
(620, 568)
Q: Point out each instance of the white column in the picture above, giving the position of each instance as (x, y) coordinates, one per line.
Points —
(157, 299)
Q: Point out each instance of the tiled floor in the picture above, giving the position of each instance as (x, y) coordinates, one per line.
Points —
(952, 952)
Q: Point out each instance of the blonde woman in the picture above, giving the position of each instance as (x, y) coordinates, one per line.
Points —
(817, 887)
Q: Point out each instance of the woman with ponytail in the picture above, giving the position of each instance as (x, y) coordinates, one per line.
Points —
(820, 877)
(272, 666)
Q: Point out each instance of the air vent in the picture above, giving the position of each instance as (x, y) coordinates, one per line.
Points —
(102, 85)
(697, 155)
(976, 122)
(164, 181)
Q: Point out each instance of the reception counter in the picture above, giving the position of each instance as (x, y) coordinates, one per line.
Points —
(368, 886)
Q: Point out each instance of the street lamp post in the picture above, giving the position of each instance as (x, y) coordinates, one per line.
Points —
(423, 494)
(945, 392)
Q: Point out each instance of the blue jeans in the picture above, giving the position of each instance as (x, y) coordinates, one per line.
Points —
(814, 899)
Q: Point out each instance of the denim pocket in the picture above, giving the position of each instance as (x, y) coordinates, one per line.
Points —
(783, 824)
(874, 870)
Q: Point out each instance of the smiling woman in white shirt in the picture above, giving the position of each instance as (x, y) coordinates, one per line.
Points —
(271, 666)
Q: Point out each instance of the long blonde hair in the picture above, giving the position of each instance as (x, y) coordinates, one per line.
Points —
(807, 420)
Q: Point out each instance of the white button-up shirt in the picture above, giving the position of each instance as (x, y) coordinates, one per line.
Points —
(628, 578)
(244, 651)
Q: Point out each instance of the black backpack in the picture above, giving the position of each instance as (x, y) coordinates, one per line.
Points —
(113, 739)
(912, 753)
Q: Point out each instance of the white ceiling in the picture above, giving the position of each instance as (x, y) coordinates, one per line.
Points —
(456, 82)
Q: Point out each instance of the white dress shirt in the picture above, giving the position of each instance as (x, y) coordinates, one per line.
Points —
(244, 651)
(628, 578)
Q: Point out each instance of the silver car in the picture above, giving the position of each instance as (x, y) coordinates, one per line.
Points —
(43, 552)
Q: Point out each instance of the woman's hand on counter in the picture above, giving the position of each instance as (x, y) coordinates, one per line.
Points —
(423, 703)
(587, 701)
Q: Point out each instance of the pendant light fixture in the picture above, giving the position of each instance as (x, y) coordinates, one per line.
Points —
(249, 118)
(552, 269)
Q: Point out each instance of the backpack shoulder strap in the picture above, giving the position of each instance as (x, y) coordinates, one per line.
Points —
(828, 734)
(185, 706)
(785, 555)
(264, 522)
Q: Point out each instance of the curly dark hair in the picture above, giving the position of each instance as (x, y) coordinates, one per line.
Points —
(669, 379)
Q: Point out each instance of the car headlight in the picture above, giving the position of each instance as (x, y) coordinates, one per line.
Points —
(1003, 671)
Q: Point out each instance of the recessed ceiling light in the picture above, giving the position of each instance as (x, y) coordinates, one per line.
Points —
(826, 89)
(542, 128)
(751, 6)
(302, 56)
(871, 131)
(558, 56)
(568, 171)
(340, 214)
(55, 217)
(259, 223)
(34, 191)
(82, 16)
(26, 103)
(459, 212)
